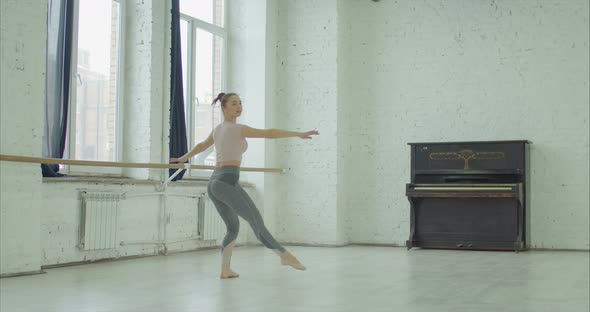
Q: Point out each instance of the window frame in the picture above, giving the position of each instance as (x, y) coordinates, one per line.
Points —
(72, 103)
(194, 24)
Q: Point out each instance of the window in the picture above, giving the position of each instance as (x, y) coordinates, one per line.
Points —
(94, 132)
(203, 43)
(208, 11)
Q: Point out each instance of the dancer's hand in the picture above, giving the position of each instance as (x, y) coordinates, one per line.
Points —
(176, 160)
(308, 134)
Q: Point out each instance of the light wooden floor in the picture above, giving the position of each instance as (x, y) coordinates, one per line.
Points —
(359, 279)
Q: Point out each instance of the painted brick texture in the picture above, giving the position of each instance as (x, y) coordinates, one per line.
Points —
(432, 71)
(22, 94)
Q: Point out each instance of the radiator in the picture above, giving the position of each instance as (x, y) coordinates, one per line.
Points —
(98, 226)
(211, 226)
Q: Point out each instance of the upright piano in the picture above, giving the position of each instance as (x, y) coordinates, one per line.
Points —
(468, 195)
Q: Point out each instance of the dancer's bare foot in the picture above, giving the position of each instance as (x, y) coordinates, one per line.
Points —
(288, 259)
(228, 273)
(226, 252)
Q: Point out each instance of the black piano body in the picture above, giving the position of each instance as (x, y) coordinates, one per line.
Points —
(468, 195)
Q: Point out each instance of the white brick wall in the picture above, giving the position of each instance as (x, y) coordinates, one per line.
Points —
(431, 71)
(22, 85)
(306, 99)
(471, 70)
(147, 54)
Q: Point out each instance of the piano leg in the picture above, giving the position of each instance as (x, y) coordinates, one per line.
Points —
(409, 242)
(518, 246)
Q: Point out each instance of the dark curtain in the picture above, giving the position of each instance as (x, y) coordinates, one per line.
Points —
(178, 140)
(57, 81)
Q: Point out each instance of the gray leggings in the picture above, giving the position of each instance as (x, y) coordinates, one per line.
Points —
(232, 201)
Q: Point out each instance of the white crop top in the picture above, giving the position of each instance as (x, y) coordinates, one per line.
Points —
(229, 142)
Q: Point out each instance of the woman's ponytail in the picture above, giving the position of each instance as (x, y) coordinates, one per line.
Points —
(218, 98)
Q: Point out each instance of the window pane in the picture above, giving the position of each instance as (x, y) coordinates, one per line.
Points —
(208, 79)
(96, 101)
(210, 11)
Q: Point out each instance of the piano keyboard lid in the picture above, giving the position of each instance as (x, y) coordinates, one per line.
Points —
(465, 187)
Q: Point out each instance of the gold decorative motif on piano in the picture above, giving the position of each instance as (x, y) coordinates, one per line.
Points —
(466, 155)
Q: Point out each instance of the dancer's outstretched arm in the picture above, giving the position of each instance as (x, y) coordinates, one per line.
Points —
(197, 149)
(249, 132)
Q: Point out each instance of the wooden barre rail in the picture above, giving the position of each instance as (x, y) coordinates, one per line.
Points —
(59, 161)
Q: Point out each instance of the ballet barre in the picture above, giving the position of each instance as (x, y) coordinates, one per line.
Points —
(93, 163)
